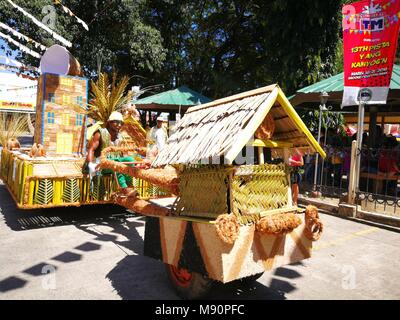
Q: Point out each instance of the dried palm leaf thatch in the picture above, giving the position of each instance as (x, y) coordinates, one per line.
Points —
(266, 129)
(165, 178)
(314, 226)
(107, 97)
(278, 223)
(227, 227)
(11, 127)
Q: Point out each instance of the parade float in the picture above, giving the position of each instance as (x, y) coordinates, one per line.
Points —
(233, 216)
(49, 173)
(230, 213)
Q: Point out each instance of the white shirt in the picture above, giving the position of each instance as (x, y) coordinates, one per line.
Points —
(159, 136)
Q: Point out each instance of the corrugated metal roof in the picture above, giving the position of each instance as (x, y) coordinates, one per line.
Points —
(336, 83)
(181, 96)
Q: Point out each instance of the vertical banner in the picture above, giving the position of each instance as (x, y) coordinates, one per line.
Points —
(370, 32)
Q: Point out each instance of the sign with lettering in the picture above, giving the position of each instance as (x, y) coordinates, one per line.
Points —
(370, 32)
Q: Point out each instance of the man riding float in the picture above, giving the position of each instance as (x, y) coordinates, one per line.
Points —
(107, 137)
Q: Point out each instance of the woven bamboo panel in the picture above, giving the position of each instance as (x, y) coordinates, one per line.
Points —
(203, 191)
(257, 188)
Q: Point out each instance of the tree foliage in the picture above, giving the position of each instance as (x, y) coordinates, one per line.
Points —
(222, 47)
(217, 47)
(117, 35)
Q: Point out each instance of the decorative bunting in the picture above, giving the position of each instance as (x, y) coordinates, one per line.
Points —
(20, 46)
(68, 11)
(22, 36)
(44, 27)
(18, 64)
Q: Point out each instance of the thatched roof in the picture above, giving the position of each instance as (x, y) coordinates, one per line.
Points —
(225, 126)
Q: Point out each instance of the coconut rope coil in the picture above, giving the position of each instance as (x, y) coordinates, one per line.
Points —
(140, 206)
(314, 226)
(227, 227)
(278, 223)
(165, 178)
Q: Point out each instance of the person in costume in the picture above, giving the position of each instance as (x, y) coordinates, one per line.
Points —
(107, 137)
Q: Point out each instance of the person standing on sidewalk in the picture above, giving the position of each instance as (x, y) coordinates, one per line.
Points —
(295, 161)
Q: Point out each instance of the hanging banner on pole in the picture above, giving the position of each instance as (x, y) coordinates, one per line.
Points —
(370, 32)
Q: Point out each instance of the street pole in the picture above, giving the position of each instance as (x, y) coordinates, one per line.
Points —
(316, 153)
(324, 99)
(360, 129)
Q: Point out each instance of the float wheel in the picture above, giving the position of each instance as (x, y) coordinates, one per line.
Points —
(188, 284)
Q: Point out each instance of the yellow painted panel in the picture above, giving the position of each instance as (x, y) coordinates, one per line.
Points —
(64, 143)
(271, 144)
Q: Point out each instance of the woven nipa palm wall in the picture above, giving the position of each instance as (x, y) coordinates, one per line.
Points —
(207, 191)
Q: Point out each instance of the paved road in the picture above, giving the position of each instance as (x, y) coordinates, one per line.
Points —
(96, 253)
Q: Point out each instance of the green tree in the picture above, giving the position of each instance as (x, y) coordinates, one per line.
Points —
(117, 35)
(222, 47)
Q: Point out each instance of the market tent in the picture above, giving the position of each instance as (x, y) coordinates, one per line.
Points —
(309, 96)
(223, 127)
(176, 100)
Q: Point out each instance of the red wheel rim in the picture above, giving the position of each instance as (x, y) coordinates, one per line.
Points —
(182, 277)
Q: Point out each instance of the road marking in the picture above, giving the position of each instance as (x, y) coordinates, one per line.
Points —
(341, 240)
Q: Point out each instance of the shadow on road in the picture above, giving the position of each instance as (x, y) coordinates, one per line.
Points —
(134, 277)
(18, 220)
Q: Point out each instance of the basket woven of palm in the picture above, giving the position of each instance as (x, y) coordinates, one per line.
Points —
(266, 129)
(278, 223)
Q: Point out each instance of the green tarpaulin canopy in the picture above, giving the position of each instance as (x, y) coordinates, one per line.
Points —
(309, 96)
(179, 99)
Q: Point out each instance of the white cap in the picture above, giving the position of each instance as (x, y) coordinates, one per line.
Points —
(116, 116)
(161, 119)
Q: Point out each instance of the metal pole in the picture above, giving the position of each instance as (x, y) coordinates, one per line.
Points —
(316, 153)
(360, 129)
(323, 159)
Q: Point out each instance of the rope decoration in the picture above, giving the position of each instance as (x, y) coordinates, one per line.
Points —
(164, 178)
(142, 207)
(314, 226)
(227, 227)
(278, 223)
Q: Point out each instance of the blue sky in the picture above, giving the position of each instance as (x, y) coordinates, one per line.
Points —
(3, 42)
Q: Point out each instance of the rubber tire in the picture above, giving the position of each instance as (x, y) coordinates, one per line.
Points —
(248, 281)
(198, 287)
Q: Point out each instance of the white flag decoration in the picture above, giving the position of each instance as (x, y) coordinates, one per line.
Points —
(20, 46)
(18, 64)
(66, 10)
(44, 27)
(22, 36)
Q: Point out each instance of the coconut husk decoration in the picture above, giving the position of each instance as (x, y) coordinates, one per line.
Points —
(143, 207)
(13, 143)
(266, 129)
(278, 223)
(164, 178)
(37, 150)
(227, 227)
(314, 225)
